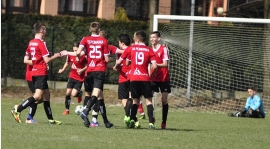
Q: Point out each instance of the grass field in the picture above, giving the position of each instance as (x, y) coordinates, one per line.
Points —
(184, 130)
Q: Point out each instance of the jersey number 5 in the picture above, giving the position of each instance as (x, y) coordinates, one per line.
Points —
(139, 58)
(94, 52)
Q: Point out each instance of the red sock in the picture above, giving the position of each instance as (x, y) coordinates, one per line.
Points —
(140, 108)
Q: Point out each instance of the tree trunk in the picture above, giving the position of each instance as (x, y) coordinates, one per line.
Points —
(266, 48)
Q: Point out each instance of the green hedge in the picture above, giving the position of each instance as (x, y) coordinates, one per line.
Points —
(62, 32)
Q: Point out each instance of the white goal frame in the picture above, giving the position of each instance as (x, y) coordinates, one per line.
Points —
(156, 19)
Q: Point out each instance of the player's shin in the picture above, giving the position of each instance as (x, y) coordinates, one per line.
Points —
(150, 112)
(25, 104)
(133, 113)
(89, 104)
(48, 111)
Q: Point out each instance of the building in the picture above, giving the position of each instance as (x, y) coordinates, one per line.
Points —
(136, 9)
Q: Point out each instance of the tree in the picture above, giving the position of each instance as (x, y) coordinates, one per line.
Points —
(121, 15)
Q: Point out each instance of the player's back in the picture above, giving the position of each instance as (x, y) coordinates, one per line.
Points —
(37, 49)
(140, 56)
(95, 48)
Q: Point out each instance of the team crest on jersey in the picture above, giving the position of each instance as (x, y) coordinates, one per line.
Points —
(158, 54)
(92, 64)
(137, 72)
(73, 66)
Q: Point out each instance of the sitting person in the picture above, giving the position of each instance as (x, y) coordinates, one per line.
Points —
(253, 107)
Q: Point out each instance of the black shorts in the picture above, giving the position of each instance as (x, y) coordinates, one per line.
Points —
(94, 79)
(72, 83)
(161, 86)
(140, 88)
(123, 90)
(40, 82)
(31, 86)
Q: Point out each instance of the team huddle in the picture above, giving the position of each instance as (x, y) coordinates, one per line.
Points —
(142, 71)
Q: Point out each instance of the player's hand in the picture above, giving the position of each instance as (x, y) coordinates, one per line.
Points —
(60, 70)
(57, 55)
(64, 53)
(48, 67)
(79, 71)
(115, 68)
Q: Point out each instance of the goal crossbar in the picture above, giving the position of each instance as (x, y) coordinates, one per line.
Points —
(202, 18)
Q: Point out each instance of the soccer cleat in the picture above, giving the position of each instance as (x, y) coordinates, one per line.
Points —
(16, 114)
(95, 124)
(127, 120)
(85, 119)
(152, 126)
(55, 122)
(163, 125)
(66, 112)
(142, 116)
(132, 124)
(30, 121)
(108, 124)
(137, 124)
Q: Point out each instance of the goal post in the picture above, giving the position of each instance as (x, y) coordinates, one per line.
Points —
(214, 59)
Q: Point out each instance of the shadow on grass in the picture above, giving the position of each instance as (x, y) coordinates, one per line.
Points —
(157, 129)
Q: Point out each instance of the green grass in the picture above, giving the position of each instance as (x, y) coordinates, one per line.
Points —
(184, 130)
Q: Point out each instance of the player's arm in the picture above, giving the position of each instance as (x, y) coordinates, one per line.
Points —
(107, 59)
(80, 71)
(247, 104)
(64, 67)
(27, 60)
(119, 51)
(48, 59)
(164, 64)
(257, 104)
(117, 64)
(154, 69)
(165, 58)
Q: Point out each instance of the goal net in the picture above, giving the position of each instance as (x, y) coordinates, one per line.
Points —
(213, 60)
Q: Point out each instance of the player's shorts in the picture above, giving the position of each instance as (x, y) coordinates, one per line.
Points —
(161, 86)
(140, 88)
(93, 80)
(72, 83)
(123, 90)
(31, 86)
(40, 82)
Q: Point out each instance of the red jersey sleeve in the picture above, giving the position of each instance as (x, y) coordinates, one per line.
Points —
(44, 50)
(126, 54)
(112, 49)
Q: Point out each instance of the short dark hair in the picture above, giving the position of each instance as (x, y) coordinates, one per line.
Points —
(94, 27)
(37, 27)
(103, 34)
(141, 36)
(76, 44)
(157, 33)
(125, 39)
(252, 88)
